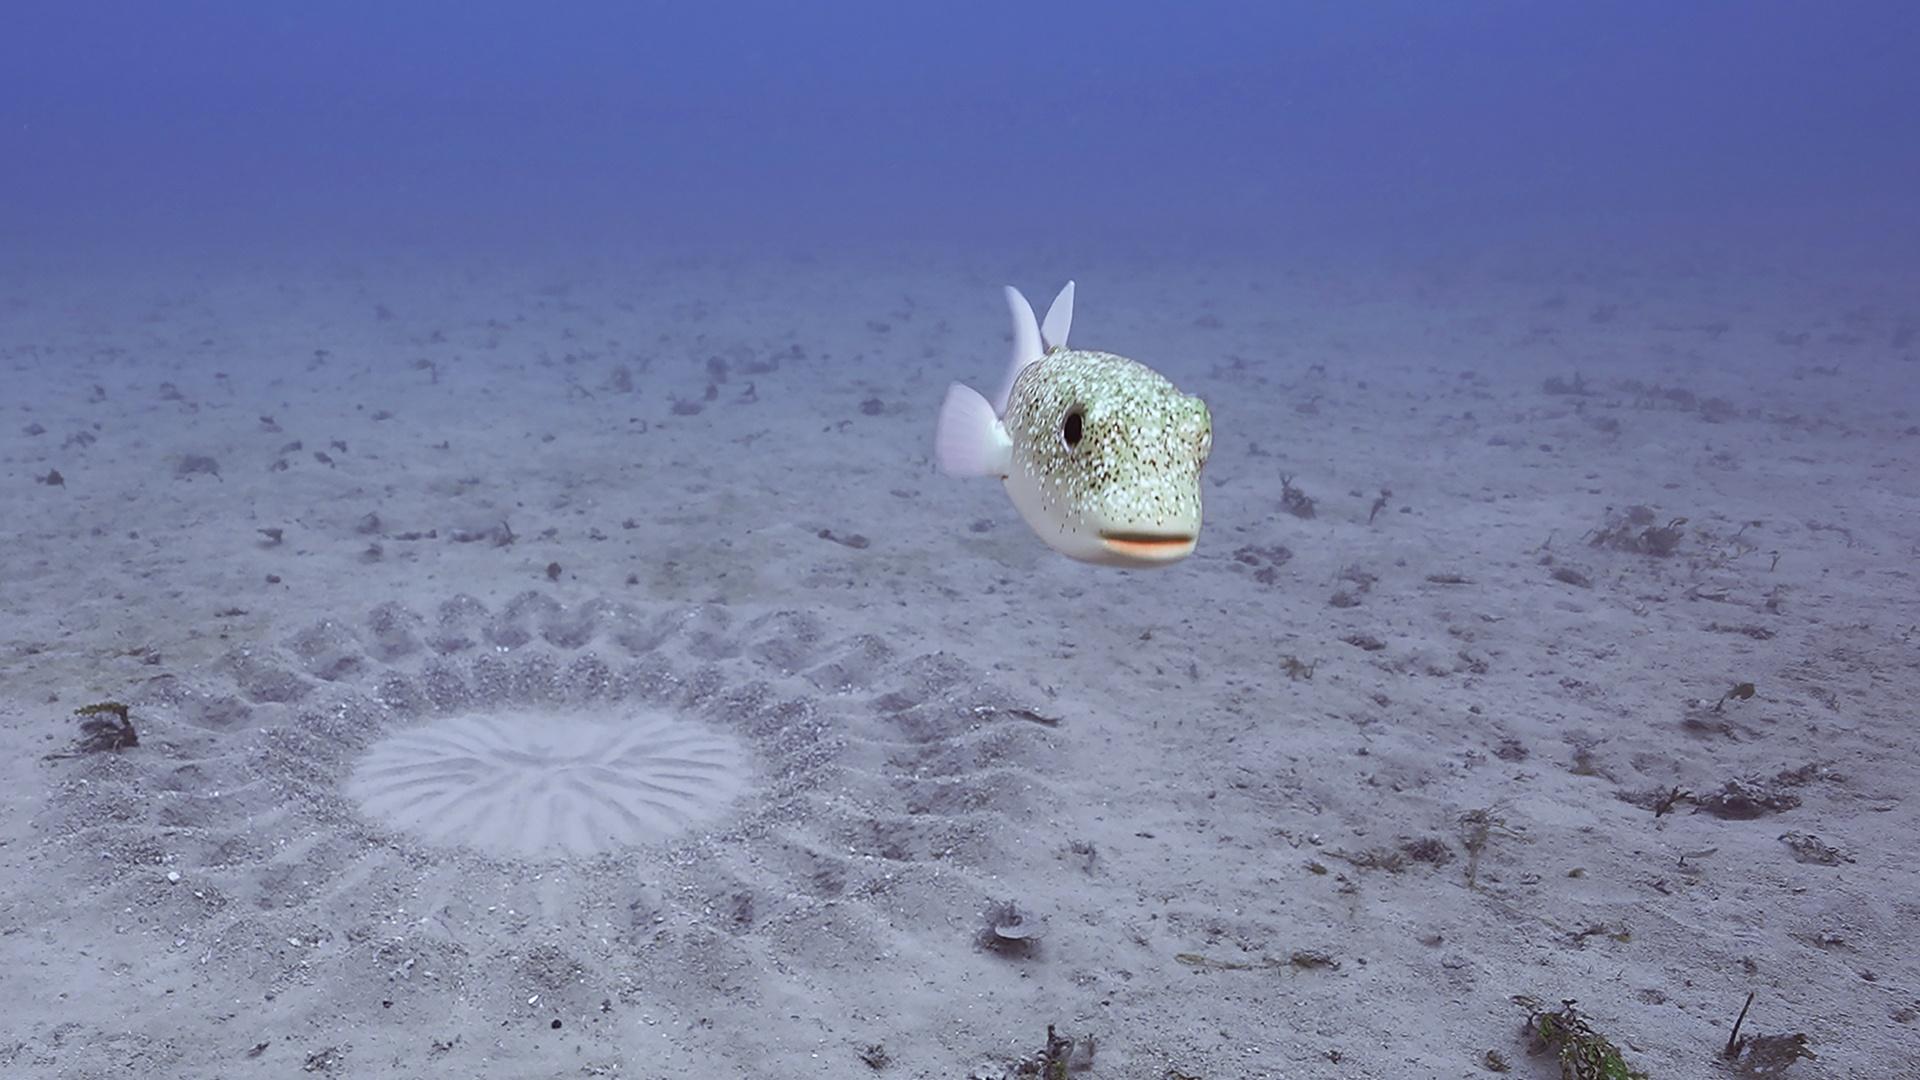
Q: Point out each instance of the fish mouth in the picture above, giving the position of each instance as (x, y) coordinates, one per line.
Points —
(1148, 547)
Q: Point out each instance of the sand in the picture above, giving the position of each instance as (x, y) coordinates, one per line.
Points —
(576, 669)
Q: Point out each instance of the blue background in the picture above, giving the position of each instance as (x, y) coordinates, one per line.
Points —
(950, 124)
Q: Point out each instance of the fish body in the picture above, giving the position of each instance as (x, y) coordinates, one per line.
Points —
(1100, 454)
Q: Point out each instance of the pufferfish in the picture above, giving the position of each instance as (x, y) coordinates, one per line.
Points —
(1100, 454)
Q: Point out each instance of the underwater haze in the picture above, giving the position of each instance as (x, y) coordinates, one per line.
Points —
(950, 124)
(1125, 541)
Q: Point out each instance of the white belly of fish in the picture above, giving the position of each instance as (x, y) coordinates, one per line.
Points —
(1061, 533)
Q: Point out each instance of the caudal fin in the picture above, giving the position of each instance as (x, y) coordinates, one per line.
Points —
(968, 439)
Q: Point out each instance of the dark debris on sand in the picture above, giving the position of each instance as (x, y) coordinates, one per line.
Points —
(1633, 531)
(105, 725)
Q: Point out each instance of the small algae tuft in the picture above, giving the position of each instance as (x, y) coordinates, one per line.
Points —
(1584, 1053)
(106, 725)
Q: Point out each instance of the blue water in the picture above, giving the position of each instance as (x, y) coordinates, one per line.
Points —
(363, 365)
(850, 123)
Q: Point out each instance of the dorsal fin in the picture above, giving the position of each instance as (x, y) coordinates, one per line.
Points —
(1027, 347)
(1053, 332)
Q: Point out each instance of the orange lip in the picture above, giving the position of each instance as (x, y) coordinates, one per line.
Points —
(1142, 546)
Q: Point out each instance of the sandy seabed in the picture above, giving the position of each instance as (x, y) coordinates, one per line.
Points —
(578, 670)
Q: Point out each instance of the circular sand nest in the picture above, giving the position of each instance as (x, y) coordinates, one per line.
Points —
(544, 812)
(536, 785)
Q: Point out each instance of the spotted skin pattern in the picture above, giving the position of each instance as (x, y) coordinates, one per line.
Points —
(1136, 466)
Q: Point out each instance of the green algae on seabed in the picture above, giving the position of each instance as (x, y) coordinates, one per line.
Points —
(105, 725)
(1584, 1053)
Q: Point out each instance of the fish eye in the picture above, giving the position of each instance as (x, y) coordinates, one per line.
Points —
(1070, 428)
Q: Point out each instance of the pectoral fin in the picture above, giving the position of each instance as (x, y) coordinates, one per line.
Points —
(969, 440)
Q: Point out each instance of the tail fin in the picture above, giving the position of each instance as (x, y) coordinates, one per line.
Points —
(968, 440)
